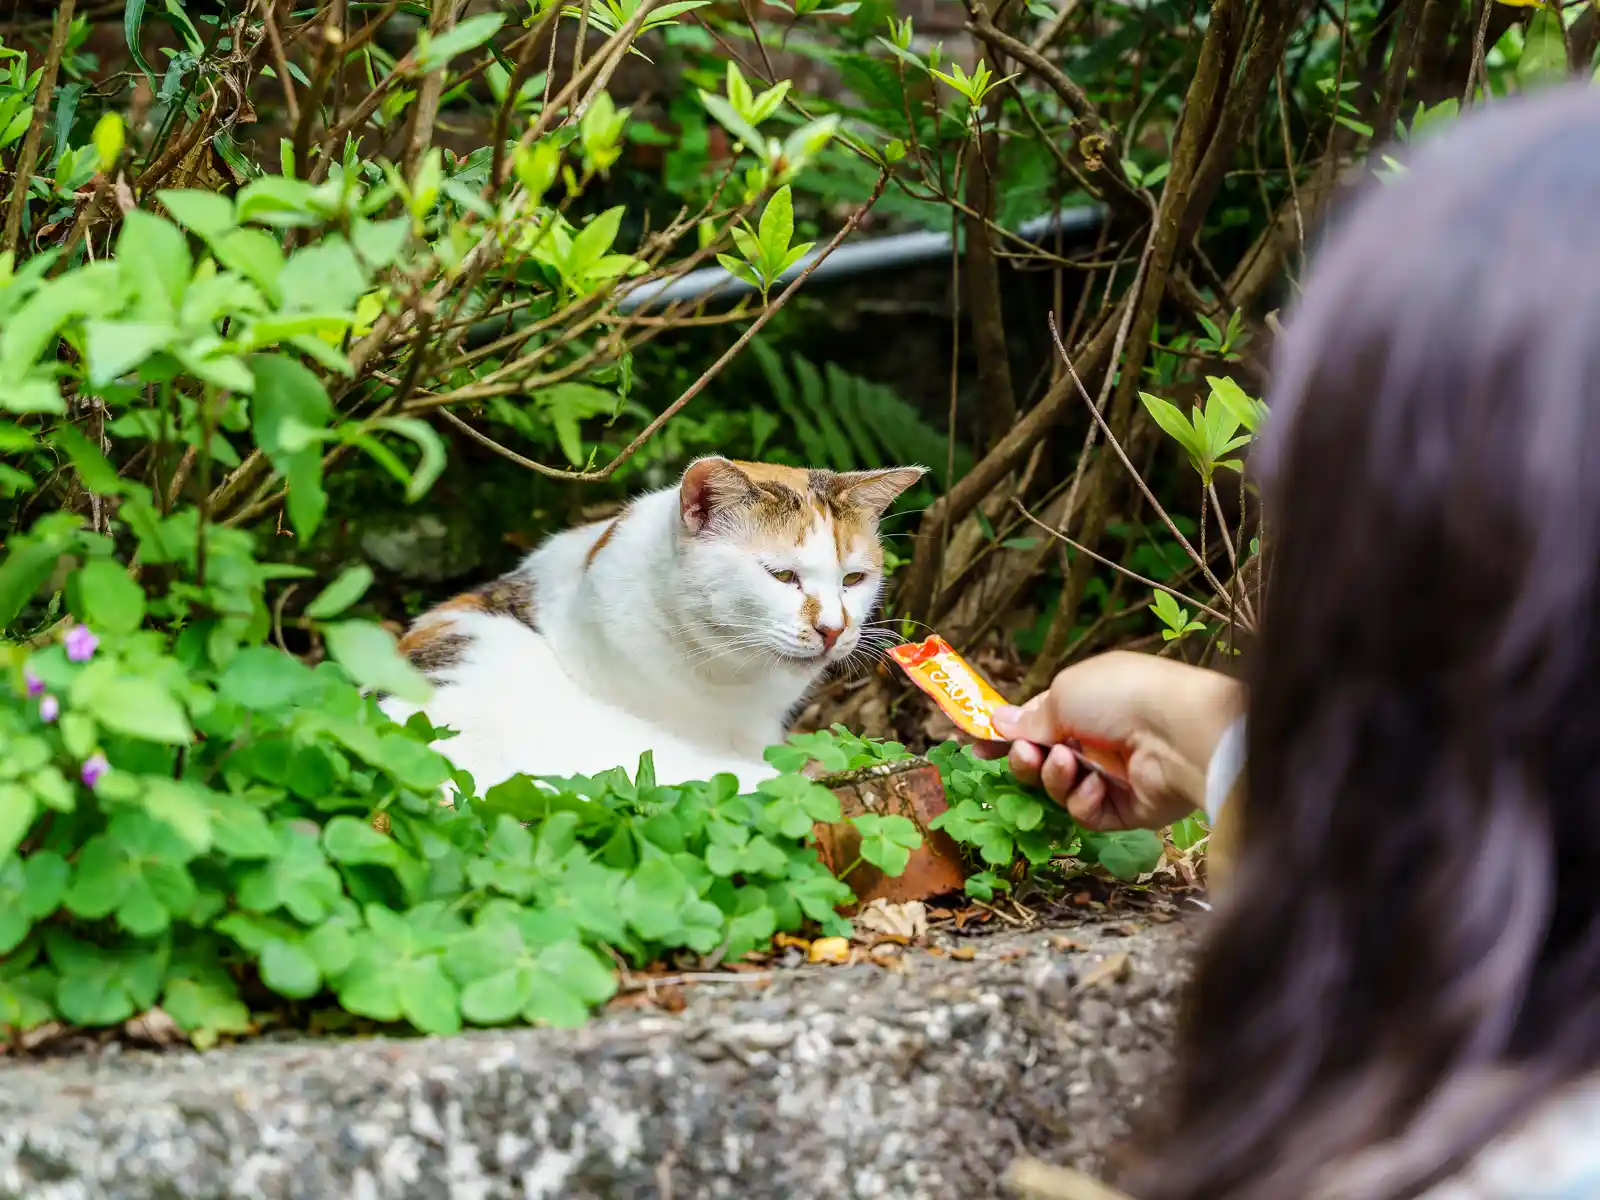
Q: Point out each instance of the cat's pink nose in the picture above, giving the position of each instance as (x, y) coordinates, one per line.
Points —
(829, 634)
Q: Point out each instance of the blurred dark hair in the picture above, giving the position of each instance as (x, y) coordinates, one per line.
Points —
(1409, 954)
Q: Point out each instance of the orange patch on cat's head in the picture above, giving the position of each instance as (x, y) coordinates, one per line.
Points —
(783, 506)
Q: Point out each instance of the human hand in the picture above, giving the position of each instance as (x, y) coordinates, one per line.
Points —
(1160, 718)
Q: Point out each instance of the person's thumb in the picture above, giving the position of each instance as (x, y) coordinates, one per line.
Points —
(1033, 722)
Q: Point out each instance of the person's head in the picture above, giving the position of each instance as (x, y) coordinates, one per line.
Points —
(1417, 902)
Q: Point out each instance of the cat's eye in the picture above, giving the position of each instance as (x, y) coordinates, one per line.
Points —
(854, 578)
(783, 576)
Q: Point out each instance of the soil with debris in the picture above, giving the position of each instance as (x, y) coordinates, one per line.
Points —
(922, 1067)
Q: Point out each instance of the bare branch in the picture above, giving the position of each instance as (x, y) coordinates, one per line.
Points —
(22, 177)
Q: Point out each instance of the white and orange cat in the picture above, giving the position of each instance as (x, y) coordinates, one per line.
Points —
(692, 625)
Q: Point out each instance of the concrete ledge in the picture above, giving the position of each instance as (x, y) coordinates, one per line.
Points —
(842, 1082)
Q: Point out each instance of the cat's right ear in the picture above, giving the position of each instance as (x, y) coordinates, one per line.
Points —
(711, 486)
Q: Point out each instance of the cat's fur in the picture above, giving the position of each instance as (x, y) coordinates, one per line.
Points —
(665, 629)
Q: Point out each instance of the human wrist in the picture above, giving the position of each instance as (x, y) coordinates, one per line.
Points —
(1197, 709)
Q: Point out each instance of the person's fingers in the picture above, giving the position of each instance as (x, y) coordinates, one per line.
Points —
(1032, 722)
(1060, 773)
(1026, 760)
(1090, 805)
(990, 749)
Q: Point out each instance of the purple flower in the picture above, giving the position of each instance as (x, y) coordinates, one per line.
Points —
(35, 684)
(49, 709)
(94, 767)
(81, 643)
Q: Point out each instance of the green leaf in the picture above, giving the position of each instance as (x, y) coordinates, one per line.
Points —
(777, 229)
(367, 651)
(29, 561)
(298, 878)
(130, 704)
(34, 395)
(184, 807)
(15, 921)
(339, 595)
(436, 52)
(797, 803)
(116, 347)
(136, 869)
(566, 405)
(394, 976)
(728, 117)
(132, 23)
(94, 472)
(288, 969)
(1127, 854)
(308, 500)
(18, 808)
(153, 256)
(352, 840)
(322, 277)
(253, 253)
(1246, 409)
(1174, 423)
(887, 841)
(204, 1008)
(205, 213)
(289, 402)
(1544, 50)
(104, 985)
(108, 598)
(263, 679)
(1189, 831)
(596, 238)
(427, 440)
(290, 411)
(1021, 811)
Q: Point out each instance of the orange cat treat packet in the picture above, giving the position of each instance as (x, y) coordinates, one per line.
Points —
(963, 694)
(970, 700)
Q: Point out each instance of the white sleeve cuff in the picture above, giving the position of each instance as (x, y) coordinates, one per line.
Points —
(1225, 767)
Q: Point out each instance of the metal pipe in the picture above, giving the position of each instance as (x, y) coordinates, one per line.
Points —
(858, 258)
(895, 252)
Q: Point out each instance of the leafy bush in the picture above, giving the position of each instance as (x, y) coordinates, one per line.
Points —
(192, 825)
(998, 820)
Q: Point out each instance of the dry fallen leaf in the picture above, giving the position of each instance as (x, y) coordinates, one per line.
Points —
(1039, 1181)
(908, 920)
(964, 953)
(830, 950)
(1110, 969)
(888, 956)
(154, 1028)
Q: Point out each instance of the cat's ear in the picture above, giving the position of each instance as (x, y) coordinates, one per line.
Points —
(876, 490)
(711, 486)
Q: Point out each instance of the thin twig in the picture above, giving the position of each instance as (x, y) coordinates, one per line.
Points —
(426, 112)
(648, 983)
(22, 178)
(1476, 70)
(280, 62)
(1118, 567)
(1112, 441)
(711, 372)
(1052, 28)
(488, 443)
